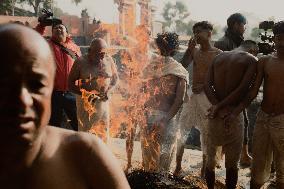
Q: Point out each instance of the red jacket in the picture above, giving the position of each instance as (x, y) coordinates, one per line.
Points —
(63, 61)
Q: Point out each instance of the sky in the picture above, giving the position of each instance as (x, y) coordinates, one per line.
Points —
(215, 11)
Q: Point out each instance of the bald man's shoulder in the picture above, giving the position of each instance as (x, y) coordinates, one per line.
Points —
(74, 143)
(87, 154)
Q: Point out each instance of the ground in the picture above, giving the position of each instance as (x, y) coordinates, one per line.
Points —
(191, 163)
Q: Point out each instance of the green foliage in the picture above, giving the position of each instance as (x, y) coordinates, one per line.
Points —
(35, 4)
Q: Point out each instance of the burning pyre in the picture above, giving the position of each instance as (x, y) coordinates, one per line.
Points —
(140, 179)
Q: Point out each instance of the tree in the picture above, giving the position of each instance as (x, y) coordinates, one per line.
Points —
(175, 16)
(8, 5)
(36, 4)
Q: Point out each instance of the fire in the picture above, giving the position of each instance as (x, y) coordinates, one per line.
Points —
(88, 105)
(100, 130)
(128, 99)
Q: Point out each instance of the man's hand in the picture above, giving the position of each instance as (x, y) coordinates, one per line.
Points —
(212, 111)
(224, 112)
(93, 98)
(191, 44)
(103, 96)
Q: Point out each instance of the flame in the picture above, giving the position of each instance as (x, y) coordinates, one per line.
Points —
(88, 105)
(100, 130)
(128, 99)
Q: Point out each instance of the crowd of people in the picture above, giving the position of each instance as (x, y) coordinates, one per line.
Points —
(44, 81)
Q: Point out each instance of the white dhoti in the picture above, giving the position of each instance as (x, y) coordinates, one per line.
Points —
(98, 122)
(158, 146)
(193, 114)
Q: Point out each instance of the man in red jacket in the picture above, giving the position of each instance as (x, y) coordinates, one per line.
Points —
(65, 52)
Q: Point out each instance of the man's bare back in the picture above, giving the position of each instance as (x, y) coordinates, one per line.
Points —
(231, 71)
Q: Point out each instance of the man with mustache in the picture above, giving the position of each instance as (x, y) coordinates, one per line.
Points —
(34, 156)
(65, 52)
(97, 75)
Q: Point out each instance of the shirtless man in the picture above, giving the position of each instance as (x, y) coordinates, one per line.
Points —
(229, 79)
(268, 137)
(166, 89)
(33, 155)
(234, 36)
(194, 111)
(97, 75)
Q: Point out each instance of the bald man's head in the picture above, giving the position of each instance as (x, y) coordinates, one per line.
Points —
(26, 78)
(19, 43)
(97, 48)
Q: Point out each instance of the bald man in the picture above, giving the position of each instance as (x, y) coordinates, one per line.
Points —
(33, 155)
(97, 75)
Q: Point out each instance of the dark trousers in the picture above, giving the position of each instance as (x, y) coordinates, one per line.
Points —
(63, 102)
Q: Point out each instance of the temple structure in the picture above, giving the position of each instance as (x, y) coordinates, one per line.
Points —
(127, 15)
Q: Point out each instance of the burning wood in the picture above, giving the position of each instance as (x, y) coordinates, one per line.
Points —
(140, 179)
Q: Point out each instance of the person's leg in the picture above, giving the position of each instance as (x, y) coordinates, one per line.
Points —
(211, 150)
(129, 146)
(276, 128)
(261, 152)
(69, 106)
(167, 144)
(183, 135)
(185, 122)
(150, 144)
(232, 157)
(179, 155)
(233, 146)
(56, 109)
(210, 166)
(246, 159)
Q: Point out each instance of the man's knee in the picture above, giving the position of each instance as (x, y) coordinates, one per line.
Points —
(230, 162)
(210, 163)
(280, 180)
(254, 185)
(257, 179)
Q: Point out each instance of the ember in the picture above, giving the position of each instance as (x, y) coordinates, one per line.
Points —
(140, 179)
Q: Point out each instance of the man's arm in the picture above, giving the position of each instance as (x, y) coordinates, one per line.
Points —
(180, 96)
(74, 76)
(209, 85)
(100, 168)
(188, 55)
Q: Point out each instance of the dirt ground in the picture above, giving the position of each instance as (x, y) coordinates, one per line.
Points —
(191, 163)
